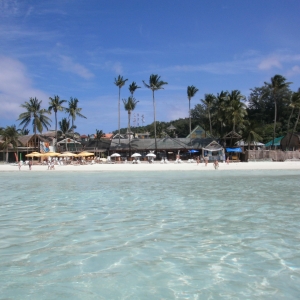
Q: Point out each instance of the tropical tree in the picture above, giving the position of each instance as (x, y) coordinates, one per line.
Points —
(129, 105)
(73, 110)
(154, 84)
(220, 111)
(23, 131)
(36, 114)
(119, 82)
(99, 134)
(208, 102)
(65, 130)
(55, 104)
(250, 134)
(296, 104)
(277, 84)
(191, 92)
(132, 87)
(10, 138)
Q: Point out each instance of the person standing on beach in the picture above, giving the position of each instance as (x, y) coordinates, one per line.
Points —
(198, 160)
(19, 165)
(30, 164)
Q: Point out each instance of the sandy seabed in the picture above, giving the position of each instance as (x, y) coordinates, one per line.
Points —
(157, 166)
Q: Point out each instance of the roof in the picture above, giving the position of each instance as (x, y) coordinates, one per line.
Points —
(276, 142)
(199, 132)
(162, 144)
(232, 135)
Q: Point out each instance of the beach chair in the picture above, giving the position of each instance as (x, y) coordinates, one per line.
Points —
(162, 161)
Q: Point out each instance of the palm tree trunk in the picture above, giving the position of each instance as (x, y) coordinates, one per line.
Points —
(190, 117)
(275, 117)
(129, 113)
(55, 130)
(154, 121)
(210, 128)
(119, 113)
(295, 126)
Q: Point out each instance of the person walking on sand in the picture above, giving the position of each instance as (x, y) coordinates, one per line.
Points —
(227, 160)
(216, 165)
(19, 165)
(30, 164)
(198, 160)
(206, 160)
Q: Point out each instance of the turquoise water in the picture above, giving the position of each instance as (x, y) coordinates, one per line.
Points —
(152, 235)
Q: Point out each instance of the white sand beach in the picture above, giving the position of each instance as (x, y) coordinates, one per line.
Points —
(157, 166)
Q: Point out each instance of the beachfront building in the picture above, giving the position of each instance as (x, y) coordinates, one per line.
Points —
(290, 141)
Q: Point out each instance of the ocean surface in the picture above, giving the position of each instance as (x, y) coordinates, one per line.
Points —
(150, 235)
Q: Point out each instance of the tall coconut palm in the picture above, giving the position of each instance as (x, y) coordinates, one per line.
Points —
(191, 92)
(235, 109)
(133, 87)
(65, 130)
(154, 84)
(220, 107)
(73, 110)
(10, 138)
(99, 134)
(277, 84)
(55, 104)
(296, 105)
(250, 134)
(129, 105)
(119, 82)
(35, 113)
(208, 102)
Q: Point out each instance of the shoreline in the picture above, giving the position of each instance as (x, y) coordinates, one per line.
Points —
(157, 166)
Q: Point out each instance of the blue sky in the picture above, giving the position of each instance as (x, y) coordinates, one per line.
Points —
(77, 48)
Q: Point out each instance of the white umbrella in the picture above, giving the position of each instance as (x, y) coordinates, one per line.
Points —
(151, 155)
(135, 155)
(115, 155)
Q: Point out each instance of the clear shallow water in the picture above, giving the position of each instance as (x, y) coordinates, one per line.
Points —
(160, 235)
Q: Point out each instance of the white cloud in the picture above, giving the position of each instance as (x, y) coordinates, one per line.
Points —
(295, 70)
(15, 88)
(68, 65)
(269, 63)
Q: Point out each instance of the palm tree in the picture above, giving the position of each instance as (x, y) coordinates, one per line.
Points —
(154, 84)
(55, 104)
(99, 134)
(277, 84)
(119, 82)
(191, 92)
(35, 113)
(23, 131)
(250, 135)
(10, 138)
(73, 110)
(65, 130)
(208, 102)
(129, 105)
(220, 107)
(296, 104)
(132, 87)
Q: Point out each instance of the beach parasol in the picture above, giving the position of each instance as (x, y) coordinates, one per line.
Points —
(33, 154)
(50, 154)
(136, 155)
(85, 153)
(67, 154)
(151, 155)
(115, 155)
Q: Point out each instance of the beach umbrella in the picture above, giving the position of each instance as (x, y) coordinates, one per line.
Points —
(85, 153)
(67, 154)
(115, 155)
(50, 154)
(33, 154)
(151, 155)
(135, 155)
